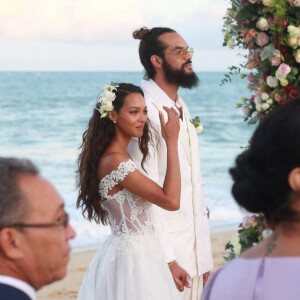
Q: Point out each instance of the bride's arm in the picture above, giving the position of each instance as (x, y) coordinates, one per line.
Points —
(168, 196)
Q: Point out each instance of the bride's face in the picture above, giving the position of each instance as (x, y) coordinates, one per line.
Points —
(132, 117)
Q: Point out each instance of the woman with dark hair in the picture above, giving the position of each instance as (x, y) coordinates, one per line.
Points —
(130, 265)
(267, 180)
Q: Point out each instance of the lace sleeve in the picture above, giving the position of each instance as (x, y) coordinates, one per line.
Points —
(112, 179)
(124, 168)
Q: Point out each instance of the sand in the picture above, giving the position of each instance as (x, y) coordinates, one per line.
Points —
(69, 286)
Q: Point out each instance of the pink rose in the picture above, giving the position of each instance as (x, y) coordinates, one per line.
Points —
(248, 221)
(262, 39)
(250, 65)
(284, 70)
(275, 58)
(246, 111)
(297, 3)
(250, 77)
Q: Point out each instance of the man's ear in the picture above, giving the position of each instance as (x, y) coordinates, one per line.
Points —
(156, 61)
(112, 116)
(294, 179)
(11, 243)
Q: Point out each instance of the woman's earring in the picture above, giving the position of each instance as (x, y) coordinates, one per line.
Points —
(114, 122)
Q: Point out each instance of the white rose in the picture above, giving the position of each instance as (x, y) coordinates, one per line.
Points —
(284, 82)
(264, 96)
(229, 27)
(262, 24)
(254, 114)
(258, 107)
(230, 43)
(257, 100)
(270, 101)
(267, 2)
(265, 106)
(109, 95)
(279, 76)
(224, 32)
(293, 41)
(272, 81)
(297, 55)
(199, 128)
(254, 1)
(107, 106)
(293, 31)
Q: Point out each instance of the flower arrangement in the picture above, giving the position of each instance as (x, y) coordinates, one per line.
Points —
(269, 31)
(251, 231)
(106, 99)
(198, 126)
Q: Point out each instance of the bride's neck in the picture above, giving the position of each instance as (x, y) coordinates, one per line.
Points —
(119, 145)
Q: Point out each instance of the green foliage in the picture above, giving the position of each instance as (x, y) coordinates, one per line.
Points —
(267, 30)
(250, 232)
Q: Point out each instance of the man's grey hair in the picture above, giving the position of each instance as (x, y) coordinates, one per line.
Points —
(13, 205)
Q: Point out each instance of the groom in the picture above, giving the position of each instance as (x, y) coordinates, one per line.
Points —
(184, 234)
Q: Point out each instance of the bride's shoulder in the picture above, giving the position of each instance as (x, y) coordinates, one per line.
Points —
(110, 162)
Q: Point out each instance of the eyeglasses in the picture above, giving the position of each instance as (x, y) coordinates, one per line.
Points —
(183, 52)
(64, 223)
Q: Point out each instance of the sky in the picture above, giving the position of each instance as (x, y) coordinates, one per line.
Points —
(96, 35)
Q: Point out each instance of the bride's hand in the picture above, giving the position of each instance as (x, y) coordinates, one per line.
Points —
(170, 130)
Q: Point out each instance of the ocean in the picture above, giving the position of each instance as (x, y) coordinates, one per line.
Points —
(43, 116)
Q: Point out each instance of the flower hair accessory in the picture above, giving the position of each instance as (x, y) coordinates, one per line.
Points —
(106, 99)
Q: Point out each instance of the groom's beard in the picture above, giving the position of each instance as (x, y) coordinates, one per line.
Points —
(180, 77)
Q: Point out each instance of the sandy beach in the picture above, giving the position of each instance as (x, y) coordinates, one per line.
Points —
(69, 286)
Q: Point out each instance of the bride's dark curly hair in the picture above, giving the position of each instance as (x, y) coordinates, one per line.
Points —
(98, 136)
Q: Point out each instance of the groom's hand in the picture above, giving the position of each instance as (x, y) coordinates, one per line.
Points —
(181, 277)
(205, 278)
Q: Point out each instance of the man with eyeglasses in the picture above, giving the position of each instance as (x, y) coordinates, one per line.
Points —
(184, 234)
(34, 231)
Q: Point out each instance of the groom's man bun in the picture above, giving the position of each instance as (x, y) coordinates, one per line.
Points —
(141, 33)
(150, 45)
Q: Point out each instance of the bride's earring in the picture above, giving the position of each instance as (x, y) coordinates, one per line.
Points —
(114, 122)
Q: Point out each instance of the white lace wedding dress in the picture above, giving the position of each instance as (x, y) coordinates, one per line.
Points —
(130, 265)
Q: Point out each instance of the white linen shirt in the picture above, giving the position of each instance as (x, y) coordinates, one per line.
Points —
(184, 233)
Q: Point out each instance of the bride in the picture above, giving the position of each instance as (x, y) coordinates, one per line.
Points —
(130, 265)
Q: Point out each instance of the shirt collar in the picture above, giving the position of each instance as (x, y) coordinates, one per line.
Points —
(19, 284)
(151, 87)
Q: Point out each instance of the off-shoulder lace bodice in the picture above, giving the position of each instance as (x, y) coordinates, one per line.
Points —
(130, 265)
(127, 213)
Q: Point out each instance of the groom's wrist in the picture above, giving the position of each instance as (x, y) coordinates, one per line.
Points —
(171, 263)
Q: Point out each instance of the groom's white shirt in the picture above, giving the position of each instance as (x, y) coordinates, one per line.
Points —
(184, 233)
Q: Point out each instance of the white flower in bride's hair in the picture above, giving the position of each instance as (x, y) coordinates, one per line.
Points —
(106, 99)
